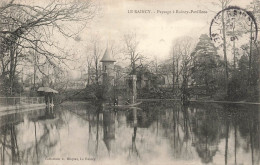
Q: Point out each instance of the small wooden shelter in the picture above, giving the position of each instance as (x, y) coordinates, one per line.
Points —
(48, 94)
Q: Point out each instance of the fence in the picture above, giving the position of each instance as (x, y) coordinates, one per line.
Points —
(13, 101)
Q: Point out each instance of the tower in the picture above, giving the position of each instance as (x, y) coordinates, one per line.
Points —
(108, 73)
(108, 64)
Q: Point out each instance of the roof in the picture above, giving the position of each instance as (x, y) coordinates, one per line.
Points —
(107, 57)
(47, 90)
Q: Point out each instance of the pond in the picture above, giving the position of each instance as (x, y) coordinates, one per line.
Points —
(159, 132)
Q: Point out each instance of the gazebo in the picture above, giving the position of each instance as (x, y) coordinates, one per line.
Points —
(48, 94)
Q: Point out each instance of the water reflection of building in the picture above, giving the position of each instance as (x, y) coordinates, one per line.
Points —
(17, 118)
(140, 118)
(108, 128)
(95, 121)
(121, 117)
(31, 149)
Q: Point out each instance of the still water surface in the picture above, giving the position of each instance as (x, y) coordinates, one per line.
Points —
(153, 133)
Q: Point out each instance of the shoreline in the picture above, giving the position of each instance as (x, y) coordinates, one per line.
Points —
(205, 101)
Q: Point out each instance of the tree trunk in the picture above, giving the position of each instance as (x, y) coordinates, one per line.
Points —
(173, 73)
(185, 85)
(3, 65)
(250, 56)
(11, 72)
(96, 78)
(177, 72)
(234, 53)
(88, 76)
(224, 47)
(34, 67)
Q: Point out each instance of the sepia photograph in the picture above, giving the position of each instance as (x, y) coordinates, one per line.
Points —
(129, 82)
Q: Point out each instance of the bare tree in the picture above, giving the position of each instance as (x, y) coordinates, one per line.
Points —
(224, 4)
(176, 62)
(96, 49)
(176, 59)
(173, 70)
(20, 22)
(132, 52)
(113, 46)
(89, 64)
(183, 48)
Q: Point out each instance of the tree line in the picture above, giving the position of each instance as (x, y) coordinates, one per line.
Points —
(229, 70)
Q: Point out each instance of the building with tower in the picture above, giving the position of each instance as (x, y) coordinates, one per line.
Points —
(108, 74)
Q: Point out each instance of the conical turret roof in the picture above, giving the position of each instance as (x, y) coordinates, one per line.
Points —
(107, 57)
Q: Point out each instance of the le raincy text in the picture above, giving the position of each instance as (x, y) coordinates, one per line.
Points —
(177, 11)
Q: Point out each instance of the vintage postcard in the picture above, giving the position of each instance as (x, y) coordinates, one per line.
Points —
(133, 82)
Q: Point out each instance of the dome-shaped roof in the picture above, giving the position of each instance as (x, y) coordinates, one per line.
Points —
(107, 57)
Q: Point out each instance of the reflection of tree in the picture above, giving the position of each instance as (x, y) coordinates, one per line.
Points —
(248, 126)
(177, 126)
(178, 141)
(235, 121)
(186, 123)
(96, 150)
(226, 145)
(94, 126)
(187, 130)
(90, 139)
(9, 142)
(235, 118)
(134, 150)
(44, 143)
(203, 127)
(206, 134)
(169, 116)
(36, 143)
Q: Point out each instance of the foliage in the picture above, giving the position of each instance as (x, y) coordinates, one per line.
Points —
(5, 86)
(206, 65)
(245, 84)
